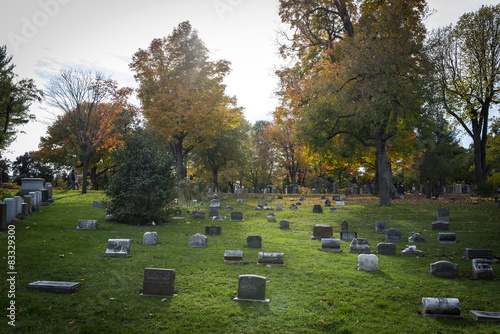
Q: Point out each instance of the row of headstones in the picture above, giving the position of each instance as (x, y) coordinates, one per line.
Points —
(15, 207)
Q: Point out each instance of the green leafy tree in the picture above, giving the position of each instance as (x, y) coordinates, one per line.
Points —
(143, 188)
(25, 166)
(467, 74)
(16, 97)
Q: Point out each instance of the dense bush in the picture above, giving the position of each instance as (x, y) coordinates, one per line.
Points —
(143, 188)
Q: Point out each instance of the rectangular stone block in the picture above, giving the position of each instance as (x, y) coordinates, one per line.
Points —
(252, 288)
(54, 286)
(158, 282)
(473, 253)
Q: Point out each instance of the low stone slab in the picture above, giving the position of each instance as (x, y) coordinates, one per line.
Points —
(330, 245)
(339, 203)
(271, 259)
(252, 288)
(360, 246)
(118, 248)
(237, 216)
(447, 238)
(386, 249)
(86, 225)
(348, 235)
(213, 230)
(233, 257)
(441, 307)
(444, 269)
(198, 214)
(484, 316)
(54, 286)
(158, 282)
(473, 253)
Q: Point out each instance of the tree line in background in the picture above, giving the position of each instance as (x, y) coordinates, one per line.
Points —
(369, 97)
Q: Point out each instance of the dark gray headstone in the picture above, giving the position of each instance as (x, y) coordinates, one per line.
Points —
(284, 225)
(158, 282)
(484, 316)
(86, 225)
(416, 238)
(271, 217)
(473, 253)
(322, 231)
(393, 235)
(360, 246)
(333, 210)
(252, 288)
(443, 214)
(344, 226)
(348, 235)
(386, 249)
(198, 241)
(271, 258)
(447, 238)
(213, 230)
(380, 227)
(3, 217)
(440, 225)
(294, 207)
(198, 214)
(444, 269)
(213, 212)
(254, 241)
(279, 207)
(54, 286)
(481, 269)
(330, 245)
(317, 208)
(236, 215)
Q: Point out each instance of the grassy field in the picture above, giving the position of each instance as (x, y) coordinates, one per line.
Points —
(316, 292)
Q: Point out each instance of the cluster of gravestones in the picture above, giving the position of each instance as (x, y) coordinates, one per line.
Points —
(29, 199)
(160, 282)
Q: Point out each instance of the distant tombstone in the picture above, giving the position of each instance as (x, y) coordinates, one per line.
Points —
(447, 238)
(9, 203)
(474, 253)
(485, 316)
(328, 203)
(322, 231)
(233, 257)
(294, 207)
(271, 259)
(213, 212)
(440, 225)
(411, 251)
(348, 235)
(237, 216)
(27, 201)
(3, 217)
(30, 184)
(443, 214)
(317, 208)
(330, 245)
(158, 282)
(339, 203)
(269, 200)
(239, 201)
(118, 248)
(481, 269)
(219, 218)
(97, 204)
(198, 241)
(25, 209)
(333, 210)
(441, 307)
(110, 218)
(344, 226)
(252, 288)
(367, 262)
(34, 207)
(150, 238)
(416, 238)
(54, 286)
(393, 235)
(279, 207)
(228, 208)
(466, 188)
(198, 214)
(86, 225)
(254, 241)
(284, 225)
(213, 230)
(360, 246)
(18, 206)
(271, 217)
(215, 204)
(48, 187)
(386, 249)
(380, 227)
(302, 199)
(444, 269)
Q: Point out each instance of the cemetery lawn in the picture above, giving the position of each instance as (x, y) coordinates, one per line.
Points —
(315, 292)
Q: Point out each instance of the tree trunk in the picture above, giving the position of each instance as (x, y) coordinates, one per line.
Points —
(384, 171)
(93, 178)
(480, 160)
(85, 173)
(176, 148)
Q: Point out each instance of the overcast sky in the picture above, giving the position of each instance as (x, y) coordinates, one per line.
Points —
(46, 35)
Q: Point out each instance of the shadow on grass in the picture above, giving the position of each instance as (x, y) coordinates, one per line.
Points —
(257, 308)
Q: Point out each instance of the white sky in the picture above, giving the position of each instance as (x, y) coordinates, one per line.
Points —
(46, 35)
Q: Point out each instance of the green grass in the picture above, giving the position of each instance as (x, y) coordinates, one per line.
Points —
(316, 292)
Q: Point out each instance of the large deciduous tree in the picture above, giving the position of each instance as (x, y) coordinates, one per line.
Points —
(16, 98)
(467, 61)
(182, 92)
(88, 104)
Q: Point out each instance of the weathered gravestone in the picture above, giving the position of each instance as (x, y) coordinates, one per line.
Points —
(10, 212)
(441, 307)
(254, 241)
(271, 217)
(279, 207)
(228, 208)
(440, 225)
(344, 226)
(294, 207)
(198, 241)
(271, 259)
(333, 210)
(233, 257)
(447, 238)
(252, 288)
(367, 262)
(97, 204)
(321, 231)
(54, 286)
(444, 269)
(215, 204)
(339, 203)
(284, 225)
(237, 216)
(393, 235)
(213, 212)
(473, 253)
(27, 201)
(3, 217)
(158, 282)
(411, 251)
(239, 201)
(330, 245)
(302, 199)
(443, 214)
(481, 269)
(86, 225)
(198, 214)
(213, 230)
(328, 203)
(150, 238)
(416, 238)
(386, 249)
(484, 316)
(118, 248)
(380, 227)
(360, 246)
(18, 207)
(348, 235)
(317, 208)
